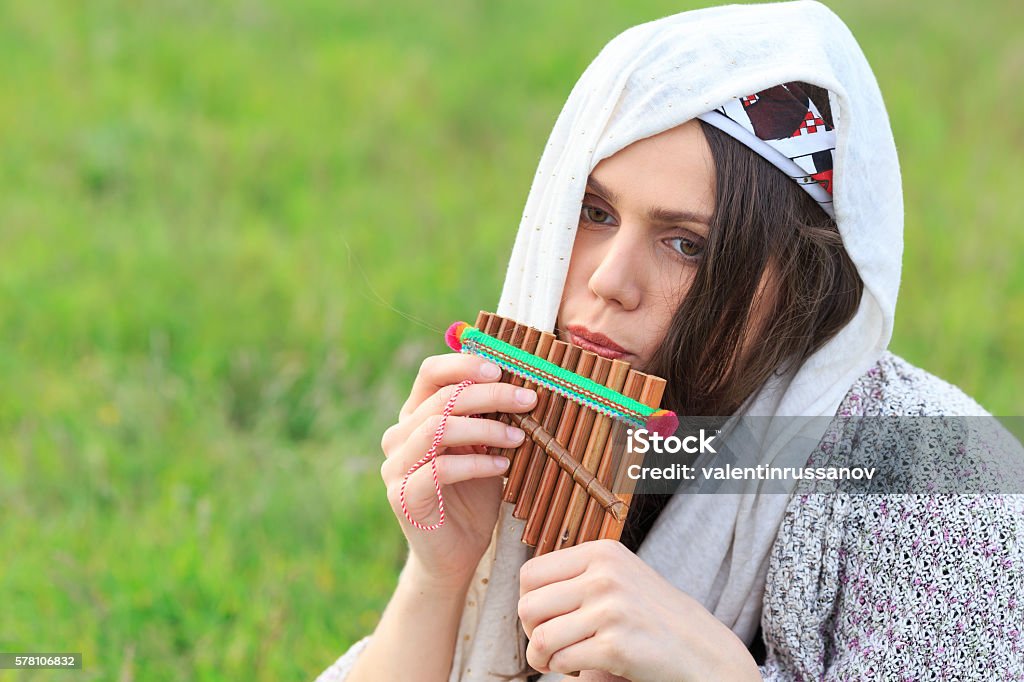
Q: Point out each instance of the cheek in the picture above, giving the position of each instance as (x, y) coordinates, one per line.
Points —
(573, 282)
(581, 266)
(668, 289)
(663, 303)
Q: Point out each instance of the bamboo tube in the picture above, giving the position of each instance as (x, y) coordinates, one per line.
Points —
(552, 416)
(654, 388)
(573, 518)
(564, 432)
(491, 326)
(520, 458)
(606, 498)
(590, 527)
(526, 338)
(505, 331)
(564, 484)
(513, 333)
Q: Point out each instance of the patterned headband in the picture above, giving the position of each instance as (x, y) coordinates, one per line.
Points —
(791, 126)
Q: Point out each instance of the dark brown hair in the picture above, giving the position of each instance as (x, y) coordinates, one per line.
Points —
(762, 219)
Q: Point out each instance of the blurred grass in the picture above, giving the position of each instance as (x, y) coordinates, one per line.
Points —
(216, 221)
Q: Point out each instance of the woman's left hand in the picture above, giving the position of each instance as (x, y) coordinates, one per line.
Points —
(598, 607)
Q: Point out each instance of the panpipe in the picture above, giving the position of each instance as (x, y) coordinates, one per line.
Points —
(560, 479)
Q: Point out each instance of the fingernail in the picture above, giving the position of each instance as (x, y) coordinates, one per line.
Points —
(500, 463)
(514, 434)
(489, 370)
(525, 396)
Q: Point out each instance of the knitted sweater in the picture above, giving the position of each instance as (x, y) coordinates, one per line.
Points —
(892, 586)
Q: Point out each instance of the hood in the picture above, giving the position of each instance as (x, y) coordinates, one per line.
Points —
(661, 74)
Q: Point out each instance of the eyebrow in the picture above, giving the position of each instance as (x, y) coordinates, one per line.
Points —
(656, 214)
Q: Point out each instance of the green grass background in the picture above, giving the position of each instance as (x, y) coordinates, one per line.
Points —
(230, 231)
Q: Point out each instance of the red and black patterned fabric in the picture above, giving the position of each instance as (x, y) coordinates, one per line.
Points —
(791, 125)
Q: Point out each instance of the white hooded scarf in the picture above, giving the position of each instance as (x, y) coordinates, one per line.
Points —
(648, 79)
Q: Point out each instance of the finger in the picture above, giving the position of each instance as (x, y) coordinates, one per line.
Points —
(421, 493)
(452, 469)
(549, 601)
(438, 371)
(551, 638)
(478, 399)
(459, 431)
(570, 562)
(597, 653)
(475, 399)
(553, 567)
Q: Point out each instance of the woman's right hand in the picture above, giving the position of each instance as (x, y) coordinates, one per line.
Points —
(471, 480)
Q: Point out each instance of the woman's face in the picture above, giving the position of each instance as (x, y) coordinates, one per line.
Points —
(641, 235)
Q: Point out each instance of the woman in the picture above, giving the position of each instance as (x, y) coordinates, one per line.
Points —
(671, 223)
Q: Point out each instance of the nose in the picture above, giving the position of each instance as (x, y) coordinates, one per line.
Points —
(616, 276)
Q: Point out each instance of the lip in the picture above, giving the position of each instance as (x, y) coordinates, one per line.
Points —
(596, 342)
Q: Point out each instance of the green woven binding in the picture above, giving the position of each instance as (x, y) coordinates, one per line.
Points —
(570, 381)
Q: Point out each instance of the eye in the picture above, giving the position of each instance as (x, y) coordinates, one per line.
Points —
(688, 247)
(594, 214)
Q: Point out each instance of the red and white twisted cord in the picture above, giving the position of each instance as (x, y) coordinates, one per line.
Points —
(431, 457)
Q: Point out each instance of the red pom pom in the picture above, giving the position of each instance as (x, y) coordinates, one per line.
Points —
(663, 423)
(453, 337)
